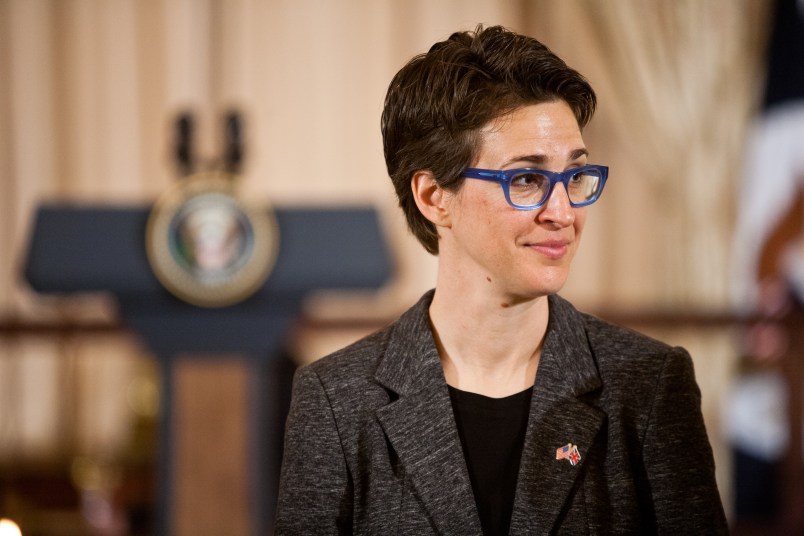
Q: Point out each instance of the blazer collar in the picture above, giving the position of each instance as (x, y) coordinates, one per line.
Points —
(411, 363)
(420, 423)
(421, 427)
(561, 413)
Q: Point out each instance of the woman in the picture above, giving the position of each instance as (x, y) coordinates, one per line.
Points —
(492, 406)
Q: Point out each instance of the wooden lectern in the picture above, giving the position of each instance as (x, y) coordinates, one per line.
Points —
(87, 249)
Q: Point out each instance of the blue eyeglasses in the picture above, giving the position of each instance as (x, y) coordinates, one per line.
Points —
(530, 188)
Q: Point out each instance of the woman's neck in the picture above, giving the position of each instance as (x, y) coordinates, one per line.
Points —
(486, 348)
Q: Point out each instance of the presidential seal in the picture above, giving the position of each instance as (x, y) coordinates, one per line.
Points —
(206, 245)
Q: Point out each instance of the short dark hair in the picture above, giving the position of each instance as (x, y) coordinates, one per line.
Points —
(438, 102)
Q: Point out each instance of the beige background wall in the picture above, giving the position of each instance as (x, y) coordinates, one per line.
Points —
(89, 88)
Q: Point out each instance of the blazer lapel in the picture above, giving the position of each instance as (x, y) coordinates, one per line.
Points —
(558, 416)
(420, 425)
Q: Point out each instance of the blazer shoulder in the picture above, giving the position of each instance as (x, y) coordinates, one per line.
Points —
(351, 364)
(634, 361)
(608, 338)
(604, 338)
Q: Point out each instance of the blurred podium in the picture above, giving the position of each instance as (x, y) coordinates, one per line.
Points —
(220, 422)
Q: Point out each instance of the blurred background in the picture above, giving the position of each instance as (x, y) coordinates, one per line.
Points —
(697, 240)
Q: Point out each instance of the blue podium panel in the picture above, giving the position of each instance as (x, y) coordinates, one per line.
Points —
(77, 248)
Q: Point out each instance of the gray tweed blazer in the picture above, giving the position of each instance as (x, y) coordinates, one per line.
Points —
(371, 445)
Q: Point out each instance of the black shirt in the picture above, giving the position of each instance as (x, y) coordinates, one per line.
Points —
(492, 432)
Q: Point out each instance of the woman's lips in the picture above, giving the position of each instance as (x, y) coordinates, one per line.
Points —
(551, 249)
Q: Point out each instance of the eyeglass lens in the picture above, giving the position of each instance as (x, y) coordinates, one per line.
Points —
(532, 188)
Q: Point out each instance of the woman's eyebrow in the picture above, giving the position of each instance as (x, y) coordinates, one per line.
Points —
(577, 153)
(538, 159)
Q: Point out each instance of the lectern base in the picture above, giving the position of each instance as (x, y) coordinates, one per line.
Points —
(210, 449)
(221, 436)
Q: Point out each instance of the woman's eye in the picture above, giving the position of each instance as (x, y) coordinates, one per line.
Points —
(529, 180)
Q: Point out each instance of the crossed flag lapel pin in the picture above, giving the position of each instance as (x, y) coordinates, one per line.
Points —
(569, 452)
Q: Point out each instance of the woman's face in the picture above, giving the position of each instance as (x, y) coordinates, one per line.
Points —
(519, 253)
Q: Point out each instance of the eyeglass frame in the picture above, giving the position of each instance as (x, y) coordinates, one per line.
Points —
(505, 176)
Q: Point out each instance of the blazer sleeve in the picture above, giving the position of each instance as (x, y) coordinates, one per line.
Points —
(314, 488)
(677, 457)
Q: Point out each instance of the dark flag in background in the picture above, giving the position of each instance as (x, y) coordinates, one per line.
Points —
(768, 278)
(768, 245)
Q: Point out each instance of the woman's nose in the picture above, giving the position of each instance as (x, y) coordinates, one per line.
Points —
(557, 209)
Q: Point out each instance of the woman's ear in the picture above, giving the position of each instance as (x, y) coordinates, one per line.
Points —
(431, 198)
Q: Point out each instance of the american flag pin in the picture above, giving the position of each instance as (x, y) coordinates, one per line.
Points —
(569, 452)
